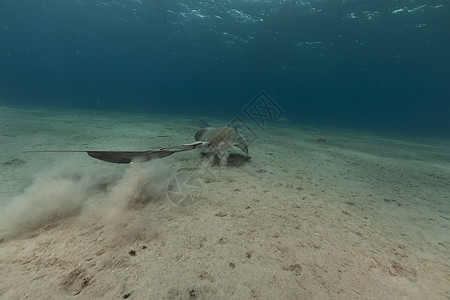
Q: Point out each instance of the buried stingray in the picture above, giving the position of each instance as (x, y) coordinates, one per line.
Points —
(216, 139)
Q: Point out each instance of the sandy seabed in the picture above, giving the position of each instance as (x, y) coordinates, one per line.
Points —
(316, 214)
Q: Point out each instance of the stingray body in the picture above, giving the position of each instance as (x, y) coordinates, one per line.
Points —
(221, 139)
(216, 139)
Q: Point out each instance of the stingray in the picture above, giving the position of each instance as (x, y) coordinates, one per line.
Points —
(220, 139)
(215, 139)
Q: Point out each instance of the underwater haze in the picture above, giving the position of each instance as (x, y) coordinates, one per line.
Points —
(325, 175)
(377, 65)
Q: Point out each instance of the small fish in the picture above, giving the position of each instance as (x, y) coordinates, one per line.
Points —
(284, 119)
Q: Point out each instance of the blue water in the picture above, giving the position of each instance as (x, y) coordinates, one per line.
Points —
(380, 65)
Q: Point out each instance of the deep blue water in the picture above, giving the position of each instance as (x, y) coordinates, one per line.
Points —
(381, 65)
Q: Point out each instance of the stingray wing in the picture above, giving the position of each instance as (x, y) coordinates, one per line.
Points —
(202, 134)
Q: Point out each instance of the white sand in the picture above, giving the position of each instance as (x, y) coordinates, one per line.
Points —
(360, 216)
